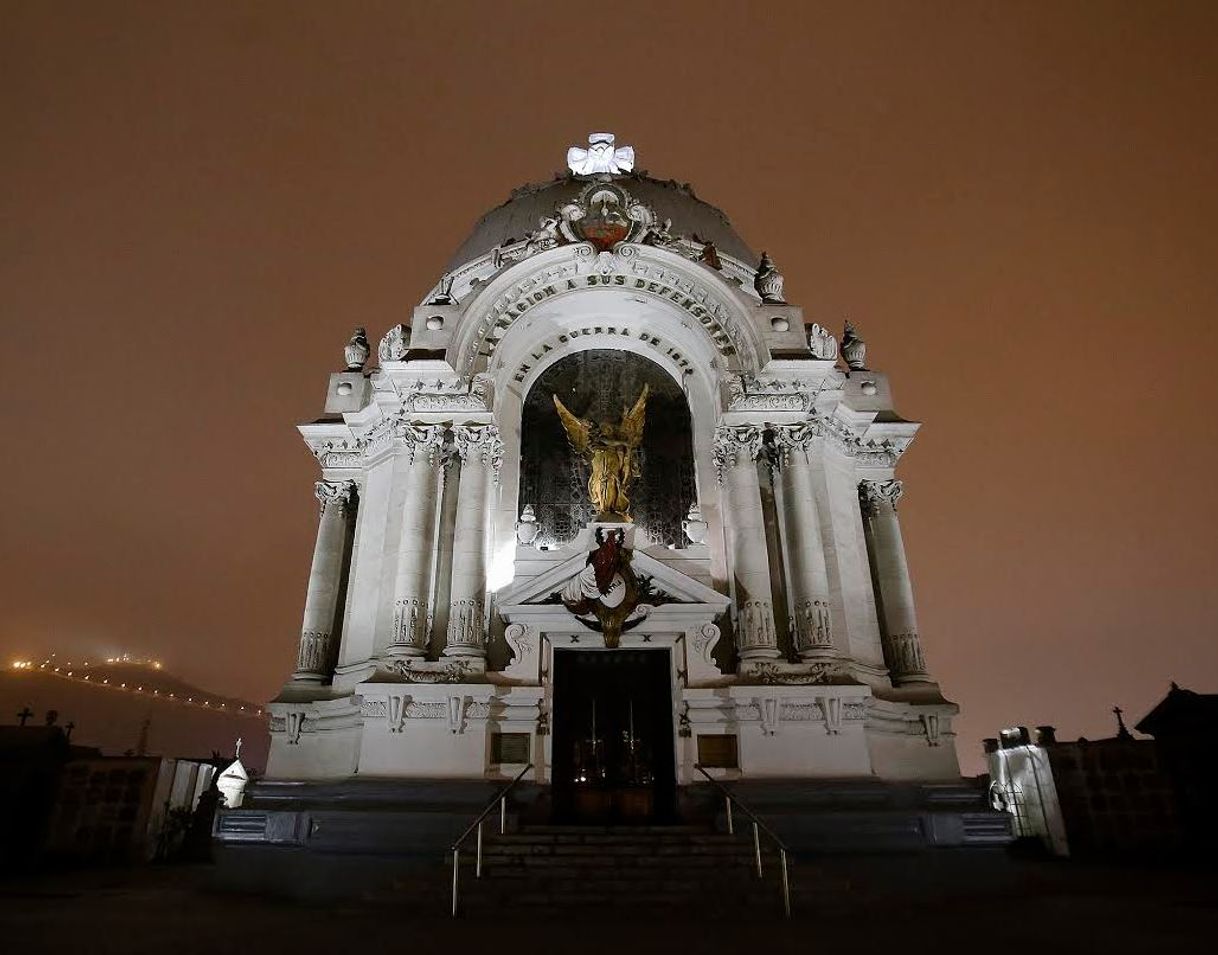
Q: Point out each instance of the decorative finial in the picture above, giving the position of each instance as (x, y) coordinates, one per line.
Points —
(357, 350)
(854, 349)
(768, 281)
(601, 156)
(237, 755)
(1122, 732)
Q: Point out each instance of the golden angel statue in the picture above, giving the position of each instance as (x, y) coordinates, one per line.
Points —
(612, 450)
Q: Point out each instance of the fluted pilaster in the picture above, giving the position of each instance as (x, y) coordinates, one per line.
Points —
(315, 657)
(736, 449)
(890, 573)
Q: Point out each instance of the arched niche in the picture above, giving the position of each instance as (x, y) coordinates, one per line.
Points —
(599, 385)
(604, 319)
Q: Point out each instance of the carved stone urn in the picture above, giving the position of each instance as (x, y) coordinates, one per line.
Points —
(694, 527)
(854, 349)
(357, 351)
(527, 527)
(768, 281)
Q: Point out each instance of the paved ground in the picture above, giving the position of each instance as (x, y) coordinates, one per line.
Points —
(1053, 907)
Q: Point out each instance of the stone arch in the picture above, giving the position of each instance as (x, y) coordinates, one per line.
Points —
(604, 318)
(699, 298)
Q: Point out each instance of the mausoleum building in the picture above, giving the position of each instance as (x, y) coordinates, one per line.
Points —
(610, 504)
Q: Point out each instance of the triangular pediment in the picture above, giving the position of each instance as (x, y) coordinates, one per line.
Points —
(677, 587)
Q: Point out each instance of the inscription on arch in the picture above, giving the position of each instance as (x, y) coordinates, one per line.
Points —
(690, 299)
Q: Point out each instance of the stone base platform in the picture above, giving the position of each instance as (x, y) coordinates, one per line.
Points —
(363, 838)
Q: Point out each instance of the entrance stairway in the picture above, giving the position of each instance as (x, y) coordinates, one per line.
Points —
(640, 869)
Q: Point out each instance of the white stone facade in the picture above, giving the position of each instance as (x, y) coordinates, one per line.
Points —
(429, 628)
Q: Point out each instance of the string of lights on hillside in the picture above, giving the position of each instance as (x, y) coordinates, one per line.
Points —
(86, 672)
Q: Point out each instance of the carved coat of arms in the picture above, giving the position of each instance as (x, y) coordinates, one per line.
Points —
(607, 589)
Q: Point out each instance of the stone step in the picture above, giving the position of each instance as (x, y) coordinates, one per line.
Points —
(593, 907)
(613, 830)
(638, 874)
(601, 838)
(507, 891)
(495, 847)
(695, 867)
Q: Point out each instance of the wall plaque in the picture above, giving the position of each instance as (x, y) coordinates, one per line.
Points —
(511, 748)
(718, 751)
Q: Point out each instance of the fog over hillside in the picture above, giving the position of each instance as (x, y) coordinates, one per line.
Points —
(108, 703)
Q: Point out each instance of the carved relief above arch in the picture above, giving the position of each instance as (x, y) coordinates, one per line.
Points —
(694, 298)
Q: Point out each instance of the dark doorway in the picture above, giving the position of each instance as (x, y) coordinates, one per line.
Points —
(613, 727)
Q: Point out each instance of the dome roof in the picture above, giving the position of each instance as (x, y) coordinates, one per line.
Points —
(668, 199)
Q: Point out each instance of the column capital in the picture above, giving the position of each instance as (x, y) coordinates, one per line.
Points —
(341, 494)
(793, 441)
(423, 442)
(479, 443)
(874, 494)
(735, 444)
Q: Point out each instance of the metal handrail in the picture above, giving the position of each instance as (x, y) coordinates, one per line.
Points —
(758, 828)
(500, 798)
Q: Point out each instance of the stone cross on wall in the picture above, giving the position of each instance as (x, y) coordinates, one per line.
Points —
(24, 715)
(602, 155)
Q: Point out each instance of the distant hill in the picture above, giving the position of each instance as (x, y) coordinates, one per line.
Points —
(108, 701)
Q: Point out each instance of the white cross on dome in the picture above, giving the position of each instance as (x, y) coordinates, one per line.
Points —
(600, 156)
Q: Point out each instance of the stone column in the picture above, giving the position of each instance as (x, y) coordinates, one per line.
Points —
(736, 450)
(481, 452)
(890, 572)
(412, 584)
(316, 655)
(812, 620)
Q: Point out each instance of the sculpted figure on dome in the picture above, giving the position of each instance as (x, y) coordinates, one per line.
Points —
(659, 234)
(612, 452)
(546, 236)
(709, 255)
